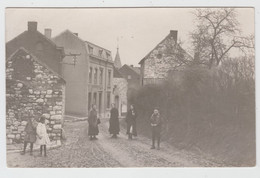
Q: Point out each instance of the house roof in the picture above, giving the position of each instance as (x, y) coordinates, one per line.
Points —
(36, 59)
(117, 61)
(117, 73)
(134, 69)
(104, 55)
(9, 52)
(169, 35)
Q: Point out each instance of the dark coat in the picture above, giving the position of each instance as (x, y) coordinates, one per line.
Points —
(114, 122)
(93, 123)
(131, 121)
(30, 131)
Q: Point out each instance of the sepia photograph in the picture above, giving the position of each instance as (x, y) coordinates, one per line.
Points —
(130, 87)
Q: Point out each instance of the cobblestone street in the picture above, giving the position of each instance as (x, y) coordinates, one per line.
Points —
(79, 151)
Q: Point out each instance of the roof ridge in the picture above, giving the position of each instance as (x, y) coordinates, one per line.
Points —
(35, 58)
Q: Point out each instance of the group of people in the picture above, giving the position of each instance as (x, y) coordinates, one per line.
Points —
(36, 132)
(131, 118)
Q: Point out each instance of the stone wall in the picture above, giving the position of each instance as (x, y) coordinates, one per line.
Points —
(167, 56)
(32, 92)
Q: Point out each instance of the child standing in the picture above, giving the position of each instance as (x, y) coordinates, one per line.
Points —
(156, 123)
(30, 135)
(42, 136)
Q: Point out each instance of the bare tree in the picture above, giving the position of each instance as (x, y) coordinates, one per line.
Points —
(216, 34)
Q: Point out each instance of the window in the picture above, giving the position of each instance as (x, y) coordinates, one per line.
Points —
(95, 75)
(108, 99)
(90, 48)
(95, 98)
(109, 78)
(89, 100)
(90, 75)
(108, 55)
(101, 76)
(100, 52)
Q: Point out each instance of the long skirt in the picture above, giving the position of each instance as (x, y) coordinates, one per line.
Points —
(131, 128)
(114, 126)
(93, 130)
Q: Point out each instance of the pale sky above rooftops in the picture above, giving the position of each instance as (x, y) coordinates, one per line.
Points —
(136, 30)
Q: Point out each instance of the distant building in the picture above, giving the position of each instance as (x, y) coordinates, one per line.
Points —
(132, 75)
(34, 86)
(90, 80)
(120, 92)
(168, 55)
(120, 86)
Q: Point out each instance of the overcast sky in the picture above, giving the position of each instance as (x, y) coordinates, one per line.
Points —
(136, 30)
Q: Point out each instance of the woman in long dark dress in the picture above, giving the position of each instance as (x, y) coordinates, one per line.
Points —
(30, 135)
(93, 123)
(131, 122)
(114, 122)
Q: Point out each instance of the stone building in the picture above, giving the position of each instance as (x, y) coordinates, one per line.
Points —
(120, 87)
(34, 85)
(90, 80)
(167, 56)
(132, 76)
(33, 89)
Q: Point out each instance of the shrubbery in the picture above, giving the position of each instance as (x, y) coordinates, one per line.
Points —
(206, 110)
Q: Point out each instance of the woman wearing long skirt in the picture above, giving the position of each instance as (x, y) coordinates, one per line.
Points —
(114, 122)
(131, 122)
(93, 123)
(30, 135)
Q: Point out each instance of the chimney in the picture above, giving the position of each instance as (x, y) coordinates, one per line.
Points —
(47, 32)
(76, 34)
(32, 26)
(174, 34)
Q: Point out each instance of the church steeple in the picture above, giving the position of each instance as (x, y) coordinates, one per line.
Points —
(117, 62)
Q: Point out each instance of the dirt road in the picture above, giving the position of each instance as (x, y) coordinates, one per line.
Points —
(79, 151)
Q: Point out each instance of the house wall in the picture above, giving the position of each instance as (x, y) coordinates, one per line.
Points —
(39, 46)
(97, 89)
(76, 77)
(32, 91)
(120, 95)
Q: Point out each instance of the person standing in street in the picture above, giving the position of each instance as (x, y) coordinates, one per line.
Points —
(114, 122)
(93, 122)
(131, 122)
(30, 135)
(42, 136)
(156, 124)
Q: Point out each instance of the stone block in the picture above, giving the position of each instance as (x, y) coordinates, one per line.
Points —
(48, 96)
(58, 112)
(19, 85)
(43, 92)
(52, 122)
(28, 78)
(59, 103)
(37, 92)
(40, 100)
(16, 123)
(23, 123)
(56, 117)
(57, 126)
(17, 136)
(9, 141)
(11, 136)
(52, 112)
(46, 115)
(30, 91)
(57, 108)
(21, 128)
(49, 92)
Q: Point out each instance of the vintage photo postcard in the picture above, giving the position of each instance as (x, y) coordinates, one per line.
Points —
(130, 87)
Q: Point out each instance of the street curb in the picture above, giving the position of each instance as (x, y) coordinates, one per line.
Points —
(36, 149)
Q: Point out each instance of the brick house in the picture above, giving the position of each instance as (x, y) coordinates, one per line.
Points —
(167, 56)
(33, 89)
(90, 80)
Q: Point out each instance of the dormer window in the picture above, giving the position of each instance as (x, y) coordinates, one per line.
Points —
(108, 55)
(90, 48)
(100, 52)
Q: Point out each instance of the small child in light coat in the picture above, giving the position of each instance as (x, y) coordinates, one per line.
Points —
(42, 136)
